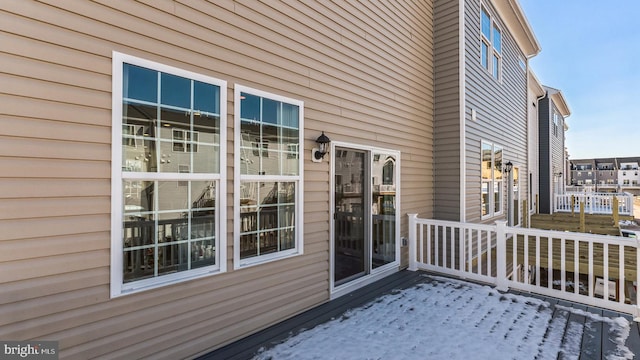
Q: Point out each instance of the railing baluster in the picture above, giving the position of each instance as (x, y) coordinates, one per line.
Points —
(445, 244)
(489, 261)
(621, 299)
(538, 261)
(470, 249)
(550, 262)
(606, 272)
(453, 248)
(436, 245)
(563, 265)
(576, 267)
(429, 245)
(421, 247)
(479, 251)
(514, 255)
(525, 254)
(590, 259)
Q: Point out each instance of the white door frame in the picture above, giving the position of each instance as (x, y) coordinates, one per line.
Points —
(373, 274)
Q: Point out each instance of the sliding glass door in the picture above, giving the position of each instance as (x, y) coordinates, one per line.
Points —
(364, 218)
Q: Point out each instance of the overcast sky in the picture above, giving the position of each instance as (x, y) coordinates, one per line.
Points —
(591, 52)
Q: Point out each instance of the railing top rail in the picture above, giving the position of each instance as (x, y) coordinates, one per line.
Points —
(568, 235)
(456, 224)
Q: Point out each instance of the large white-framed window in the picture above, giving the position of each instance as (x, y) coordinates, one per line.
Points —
(492, 193)
(168, 175)
(268, 184)
(490, 44)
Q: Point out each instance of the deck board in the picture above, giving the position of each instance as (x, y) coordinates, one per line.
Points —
(595, 341)
(246, 348)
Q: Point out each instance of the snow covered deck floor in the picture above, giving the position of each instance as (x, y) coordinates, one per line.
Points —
(418, 315)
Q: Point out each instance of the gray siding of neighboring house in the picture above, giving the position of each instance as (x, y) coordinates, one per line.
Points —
(544, 173)
(447, 110)
(557, 153)
(501, 108)
(551, 153)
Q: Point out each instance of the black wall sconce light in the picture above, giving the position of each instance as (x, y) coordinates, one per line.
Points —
(317, 154)
(508, 167)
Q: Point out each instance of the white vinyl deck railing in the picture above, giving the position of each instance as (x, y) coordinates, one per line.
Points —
(564, 265)
(594, 203)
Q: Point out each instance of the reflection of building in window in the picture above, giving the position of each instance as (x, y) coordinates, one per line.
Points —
(388, 172)
(491, 185)
(170, 174)
(185, 141)
(268, 158)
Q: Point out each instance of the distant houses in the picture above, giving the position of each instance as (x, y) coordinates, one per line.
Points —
(606, 174)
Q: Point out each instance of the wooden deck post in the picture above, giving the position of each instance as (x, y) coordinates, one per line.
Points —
(413, 243)
(501, 256)
(573, 205)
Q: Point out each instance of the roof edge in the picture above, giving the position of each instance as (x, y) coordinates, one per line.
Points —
(513, 16)
(535, 84)
(559, 100)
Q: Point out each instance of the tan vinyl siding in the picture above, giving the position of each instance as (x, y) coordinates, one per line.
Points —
(447, 111)
(364, 71)
(501, 107)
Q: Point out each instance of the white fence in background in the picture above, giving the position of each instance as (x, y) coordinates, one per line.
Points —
(564, 265)
(594, 203)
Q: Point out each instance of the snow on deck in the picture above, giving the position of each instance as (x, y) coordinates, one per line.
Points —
(449, 319)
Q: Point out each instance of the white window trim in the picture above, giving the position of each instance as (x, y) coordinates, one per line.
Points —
(117, 287)
(299, 197)
(491, 51)
(492, 213)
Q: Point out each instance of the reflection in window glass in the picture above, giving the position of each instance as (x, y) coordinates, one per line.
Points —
(497, 40)
(175, 91)
(484, 55)
(492, 182)
(167, 227)
(383, 210)
(269, 145)
(170, 125)
(485, 24)
(267, 217)
(139, 83)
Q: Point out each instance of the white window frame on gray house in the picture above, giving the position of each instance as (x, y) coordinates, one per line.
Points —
(490, 44)
(269, 181)
(493, 184)
(172, 230)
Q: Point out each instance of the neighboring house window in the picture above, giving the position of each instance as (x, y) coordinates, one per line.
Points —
(556, 124)
(167, 175)
(491, 190)
(268, 185)
(490, 44)
(625, 182)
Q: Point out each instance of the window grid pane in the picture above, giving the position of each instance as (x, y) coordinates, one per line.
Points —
(169, 226)
(267, 217)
